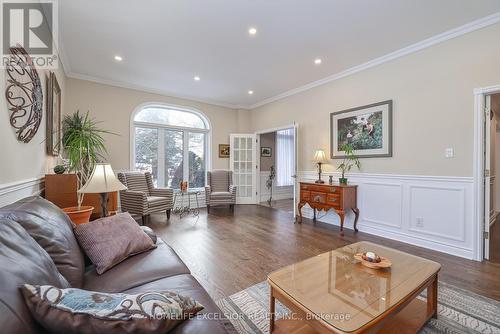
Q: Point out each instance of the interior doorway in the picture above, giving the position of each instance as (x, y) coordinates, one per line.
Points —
(277, 168)
(492, 179)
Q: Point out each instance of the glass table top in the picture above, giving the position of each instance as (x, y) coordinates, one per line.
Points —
(339, 290)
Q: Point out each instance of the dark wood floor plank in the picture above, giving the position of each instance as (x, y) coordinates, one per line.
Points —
(228, 253)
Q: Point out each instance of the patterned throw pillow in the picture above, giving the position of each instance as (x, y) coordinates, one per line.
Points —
(80, 311)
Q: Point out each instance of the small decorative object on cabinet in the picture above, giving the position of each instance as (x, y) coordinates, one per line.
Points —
(102, 181)
(61, 189)
(59, 169)
(339, 198)
(350, 160)
(320, 158)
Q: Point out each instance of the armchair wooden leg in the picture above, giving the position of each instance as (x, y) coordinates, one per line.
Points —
(232, 208)
(168, 214)
(208, 208)
(143, 220)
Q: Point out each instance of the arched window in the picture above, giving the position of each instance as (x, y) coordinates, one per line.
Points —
(164, 138)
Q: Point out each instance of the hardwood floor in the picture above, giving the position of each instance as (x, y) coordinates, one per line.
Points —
(281, 204)
(229, 253)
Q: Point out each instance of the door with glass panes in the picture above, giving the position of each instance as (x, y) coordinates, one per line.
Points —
(243, 165)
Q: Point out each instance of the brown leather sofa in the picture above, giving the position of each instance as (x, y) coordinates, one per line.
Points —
(37, 246)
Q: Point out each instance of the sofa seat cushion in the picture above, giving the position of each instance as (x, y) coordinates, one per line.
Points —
(156, 201)
(210, 320)
(53, 231)
(22, 261)
(136, 270)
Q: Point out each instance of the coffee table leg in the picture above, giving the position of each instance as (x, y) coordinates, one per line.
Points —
(272, 303)
(432, 297)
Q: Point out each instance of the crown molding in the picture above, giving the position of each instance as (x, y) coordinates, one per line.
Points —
(443, 37)
(146, 89)
(440, 38)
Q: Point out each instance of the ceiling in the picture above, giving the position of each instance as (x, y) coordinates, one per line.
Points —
(165, 43)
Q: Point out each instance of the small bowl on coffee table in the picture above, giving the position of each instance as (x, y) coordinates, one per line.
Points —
(372, 260)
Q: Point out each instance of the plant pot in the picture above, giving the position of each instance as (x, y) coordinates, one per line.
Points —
(79, 216)
(343, 180)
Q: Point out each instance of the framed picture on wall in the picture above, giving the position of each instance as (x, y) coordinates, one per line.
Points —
(223, 151)
(266, 152)
(54, 132)
(368, 129)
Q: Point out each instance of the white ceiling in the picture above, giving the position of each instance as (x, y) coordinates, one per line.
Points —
(165, 43)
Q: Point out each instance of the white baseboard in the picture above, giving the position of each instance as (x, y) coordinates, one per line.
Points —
(11, 192)
(428, 211)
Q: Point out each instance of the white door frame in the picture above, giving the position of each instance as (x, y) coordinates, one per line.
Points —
(478, 167)
(260, 132)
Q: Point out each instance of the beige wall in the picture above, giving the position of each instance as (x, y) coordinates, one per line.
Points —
(432, 92)
(268, 140)
(23, 161)
(113, 106)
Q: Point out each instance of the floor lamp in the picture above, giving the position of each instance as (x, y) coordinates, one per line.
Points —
(102, 181)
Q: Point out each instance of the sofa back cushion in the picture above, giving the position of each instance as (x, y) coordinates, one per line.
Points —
(22, 261)
(53, 231)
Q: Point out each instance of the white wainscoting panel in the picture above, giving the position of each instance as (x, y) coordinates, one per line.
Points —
(278, 192)
(427, 211)
(11, 192)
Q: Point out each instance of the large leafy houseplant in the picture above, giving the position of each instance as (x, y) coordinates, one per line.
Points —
(350, 160)
(83, 146)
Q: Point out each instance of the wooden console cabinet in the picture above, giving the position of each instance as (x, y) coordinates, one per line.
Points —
(61, 189)
(339, 198)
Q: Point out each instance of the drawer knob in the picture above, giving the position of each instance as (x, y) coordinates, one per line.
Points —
(334, 200)
(317, 198)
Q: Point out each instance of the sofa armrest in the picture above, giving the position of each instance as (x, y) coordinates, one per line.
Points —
(150, 233)
(135, 202)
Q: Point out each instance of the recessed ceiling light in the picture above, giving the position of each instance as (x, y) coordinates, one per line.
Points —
(118, 58)
(250, 92)
(317, 61)
(197, 78)
(252, 31)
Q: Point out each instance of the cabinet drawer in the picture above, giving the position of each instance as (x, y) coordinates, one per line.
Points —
(317, 197)
(305, 195)
(320, 188)
(333, 199)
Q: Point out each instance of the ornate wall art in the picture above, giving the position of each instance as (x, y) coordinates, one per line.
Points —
(24, 94)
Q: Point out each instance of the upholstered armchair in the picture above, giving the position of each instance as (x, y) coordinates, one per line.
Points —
(142, 198)
(220, 189)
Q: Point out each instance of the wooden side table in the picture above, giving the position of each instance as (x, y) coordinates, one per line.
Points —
(339, 198)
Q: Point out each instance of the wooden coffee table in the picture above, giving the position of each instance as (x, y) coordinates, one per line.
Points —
(334, 293)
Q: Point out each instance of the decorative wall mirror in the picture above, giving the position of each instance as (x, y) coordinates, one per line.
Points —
(23, 94)
(53, 115)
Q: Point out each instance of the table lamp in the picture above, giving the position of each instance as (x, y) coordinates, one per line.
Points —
(320, 158)
(102, 181)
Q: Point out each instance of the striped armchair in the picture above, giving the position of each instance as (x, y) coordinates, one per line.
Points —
(220, 189)
(142, 198)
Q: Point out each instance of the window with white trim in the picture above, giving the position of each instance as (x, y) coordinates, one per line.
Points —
(165, 138)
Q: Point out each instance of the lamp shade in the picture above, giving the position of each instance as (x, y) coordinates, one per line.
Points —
(102, 180)
(320, 156)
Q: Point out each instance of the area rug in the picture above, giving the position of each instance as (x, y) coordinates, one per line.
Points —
(459, 311)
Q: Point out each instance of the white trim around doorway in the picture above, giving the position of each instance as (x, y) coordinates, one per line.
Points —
(478, 167)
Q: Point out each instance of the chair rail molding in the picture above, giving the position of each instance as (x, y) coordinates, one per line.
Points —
(11, 192)
(434, 212)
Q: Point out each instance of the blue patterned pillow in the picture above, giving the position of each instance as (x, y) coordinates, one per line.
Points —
(80, 311)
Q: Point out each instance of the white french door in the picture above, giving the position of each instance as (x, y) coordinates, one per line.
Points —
(242, 160)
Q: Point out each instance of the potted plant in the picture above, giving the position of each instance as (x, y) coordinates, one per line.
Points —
(350, 160)
(269, 184)
(83, 146)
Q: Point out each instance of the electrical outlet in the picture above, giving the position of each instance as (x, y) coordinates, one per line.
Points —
(420, 222)
(449, 152)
